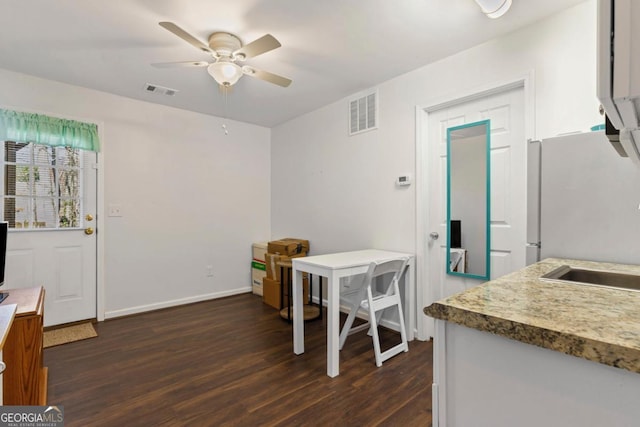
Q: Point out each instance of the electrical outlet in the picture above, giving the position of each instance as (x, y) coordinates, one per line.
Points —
(209, 270)
(115, 210)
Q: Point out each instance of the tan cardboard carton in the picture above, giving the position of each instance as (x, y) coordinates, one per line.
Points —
(288, 246)
(272, 260)
(271, 292)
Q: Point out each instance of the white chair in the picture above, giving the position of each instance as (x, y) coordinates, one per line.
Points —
(362, 292)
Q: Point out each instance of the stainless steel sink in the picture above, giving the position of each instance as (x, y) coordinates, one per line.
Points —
(607, 279)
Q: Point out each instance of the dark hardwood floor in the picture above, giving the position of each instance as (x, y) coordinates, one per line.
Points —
(230, 362)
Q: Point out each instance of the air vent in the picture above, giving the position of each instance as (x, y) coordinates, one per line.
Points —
(363, 113)
(160, 90)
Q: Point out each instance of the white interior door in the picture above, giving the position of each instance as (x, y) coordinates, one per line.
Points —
(49, 200)
(505, 110)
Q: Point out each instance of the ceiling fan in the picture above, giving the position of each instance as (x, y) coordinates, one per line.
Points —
(227, 51)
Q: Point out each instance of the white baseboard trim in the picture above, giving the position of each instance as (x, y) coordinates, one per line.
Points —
(173, 303)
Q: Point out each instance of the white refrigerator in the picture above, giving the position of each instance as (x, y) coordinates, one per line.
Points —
(583, 200)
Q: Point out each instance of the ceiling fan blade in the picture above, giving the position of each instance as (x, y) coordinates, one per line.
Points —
(258, 47)
(185, 64)
(170, 26)
(266, 76)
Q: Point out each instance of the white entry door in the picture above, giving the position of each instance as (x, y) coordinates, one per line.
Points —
(49, 200)
(505, 110)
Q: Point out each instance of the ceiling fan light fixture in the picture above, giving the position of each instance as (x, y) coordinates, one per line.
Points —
(494, 8)
(226, 49)
(225, 73)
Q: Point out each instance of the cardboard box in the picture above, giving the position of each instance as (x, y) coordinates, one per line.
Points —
(258, 272)
(288, 246)
(272, 260)
(271, 292)
(258, 267)
(258, 251)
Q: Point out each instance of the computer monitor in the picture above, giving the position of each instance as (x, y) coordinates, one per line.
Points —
(4, 232)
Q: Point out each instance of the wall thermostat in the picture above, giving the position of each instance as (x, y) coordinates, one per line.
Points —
(403, 180)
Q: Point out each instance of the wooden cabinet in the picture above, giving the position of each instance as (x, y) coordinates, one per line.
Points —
(25, 378)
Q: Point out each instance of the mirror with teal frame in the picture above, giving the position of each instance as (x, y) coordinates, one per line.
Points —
(468, 200)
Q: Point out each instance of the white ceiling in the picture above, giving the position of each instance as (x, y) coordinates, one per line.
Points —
(330, 48)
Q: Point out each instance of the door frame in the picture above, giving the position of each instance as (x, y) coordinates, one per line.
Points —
(100, 209)
(424, 293)
(100, 216)
(100, 227)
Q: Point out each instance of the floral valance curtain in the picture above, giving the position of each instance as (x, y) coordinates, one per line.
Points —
(41, 129)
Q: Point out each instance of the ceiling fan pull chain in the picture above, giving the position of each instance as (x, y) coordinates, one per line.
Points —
(224, 125)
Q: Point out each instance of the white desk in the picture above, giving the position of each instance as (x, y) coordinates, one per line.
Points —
(333, 267)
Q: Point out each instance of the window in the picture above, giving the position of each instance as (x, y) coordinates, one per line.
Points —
(42, 186)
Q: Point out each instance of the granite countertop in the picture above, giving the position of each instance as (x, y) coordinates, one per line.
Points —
(594, 323)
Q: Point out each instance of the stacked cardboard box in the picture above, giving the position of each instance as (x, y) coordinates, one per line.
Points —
(258, 267)
(288, 246)
(279, 251)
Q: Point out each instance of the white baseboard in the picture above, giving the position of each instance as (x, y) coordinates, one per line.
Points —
(173, 303)
(393, 325)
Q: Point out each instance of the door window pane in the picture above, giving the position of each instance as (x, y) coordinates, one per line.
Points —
(42, 187)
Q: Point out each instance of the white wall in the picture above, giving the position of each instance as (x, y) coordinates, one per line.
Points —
(338, 191)
(190, 196)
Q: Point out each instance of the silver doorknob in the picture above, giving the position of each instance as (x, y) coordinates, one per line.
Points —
(434, 235)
